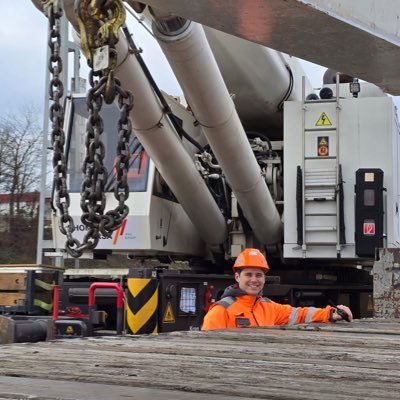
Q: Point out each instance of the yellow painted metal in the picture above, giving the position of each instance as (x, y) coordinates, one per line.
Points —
(142, 305)
(99, 27)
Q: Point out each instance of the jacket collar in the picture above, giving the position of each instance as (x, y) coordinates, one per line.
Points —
(235, 291)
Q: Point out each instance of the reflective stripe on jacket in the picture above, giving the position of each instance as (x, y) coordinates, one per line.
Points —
(248, 311)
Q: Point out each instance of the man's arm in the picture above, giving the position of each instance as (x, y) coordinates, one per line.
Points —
(285, 314)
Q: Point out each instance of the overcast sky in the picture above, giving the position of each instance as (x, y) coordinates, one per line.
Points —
(23, 52)
(23, 45)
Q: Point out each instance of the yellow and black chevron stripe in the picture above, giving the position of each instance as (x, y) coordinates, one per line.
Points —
(142, 306)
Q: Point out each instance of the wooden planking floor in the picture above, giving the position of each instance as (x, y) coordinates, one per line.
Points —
(360, 360)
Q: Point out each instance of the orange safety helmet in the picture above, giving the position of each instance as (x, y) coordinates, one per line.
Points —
(251, 258)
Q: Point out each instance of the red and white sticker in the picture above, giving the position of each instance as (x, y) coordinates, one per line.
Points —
(369, 228)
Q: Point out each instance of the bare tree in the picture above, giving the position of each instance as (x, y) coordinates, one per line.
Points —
(20, 141)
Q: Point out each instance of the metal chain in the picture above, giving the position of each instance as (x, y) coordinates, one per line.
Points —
(54, 12)
(93, 186)
(99, 24)
(92, 191)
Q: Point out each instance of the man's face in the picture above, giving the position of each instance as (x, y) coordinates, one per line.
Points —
(251, 280)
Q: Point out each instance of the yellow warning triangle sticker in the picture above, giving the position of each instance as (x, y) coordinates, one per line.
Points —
(323, 142)
(69, 330)
(169, 315)
(323, 120)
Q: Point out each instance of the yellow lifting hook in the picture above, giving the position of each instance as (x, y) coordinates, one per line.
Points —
(99, 23)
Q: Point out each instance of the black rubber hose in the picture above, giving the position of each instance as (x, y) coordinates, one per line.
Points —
(289, 89)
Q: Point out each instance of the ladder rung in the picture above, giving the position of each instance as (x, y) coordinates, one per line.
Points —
(320, 228)
(320, 243)
(320, 158)
(330, 128)
(315, 198)
(321, 171)
(320, 176)
(320, 184)
(320, 180)
(317, 190)
(321, 192)
(320, 214)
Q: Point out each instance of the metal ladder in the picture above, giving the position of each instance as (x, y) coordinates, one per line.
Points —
(322, 223)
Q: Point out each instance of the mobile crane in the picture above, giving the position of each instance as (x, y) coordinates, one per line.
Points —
(254, 157)
(310, 155)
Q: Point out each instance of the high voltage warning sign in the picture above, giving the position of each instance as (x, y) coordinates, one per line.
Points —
(323, 120)
(169, 317)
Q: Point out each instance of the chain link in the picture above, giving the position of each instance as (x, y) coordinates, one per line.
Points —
(93, 199)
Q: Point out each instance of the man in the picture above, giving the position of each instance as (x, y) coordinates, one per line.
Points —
(242, 304)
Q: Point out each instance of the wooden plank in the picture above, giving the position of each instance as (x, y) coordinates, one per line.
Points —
(19, 298)
(12, 299)
(11, 281)
(333, 361)
(32, 266)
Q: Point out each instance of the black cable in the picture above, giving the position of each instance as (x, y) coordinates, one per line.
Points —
(157, 91)
(289, 89)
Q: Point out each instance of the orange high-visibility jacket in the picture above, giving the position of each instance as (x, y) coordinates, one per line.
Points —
(236, 309)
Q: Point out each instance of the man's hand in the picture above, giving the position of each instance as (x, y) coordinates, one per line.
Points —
(337, 317)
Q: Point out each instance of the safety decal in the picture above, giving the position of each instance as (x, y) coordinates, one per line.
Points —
(142, 306)
(169, 317)
(119, 231)
(323, 146)
(323, 120)
(69, 330)
(369, 228)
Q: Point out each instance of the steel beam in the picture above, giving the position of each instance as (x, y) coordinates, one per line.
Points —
(360, 39)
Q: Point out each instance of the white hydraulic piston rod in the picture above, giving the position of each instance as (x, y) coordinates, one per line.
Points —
(157, 135)
(194, 65)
